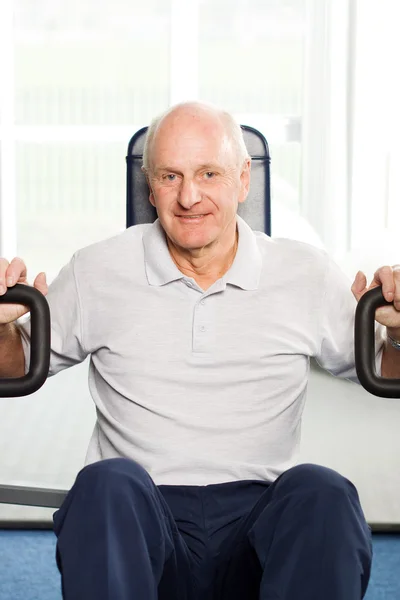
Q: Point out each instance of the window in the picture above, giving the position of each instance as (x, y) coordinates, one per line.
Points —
(85, 76)
(79, 78)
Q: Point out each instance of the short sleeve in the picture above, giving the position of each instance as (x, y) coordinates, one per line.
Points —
(67, 322)
(337, 316)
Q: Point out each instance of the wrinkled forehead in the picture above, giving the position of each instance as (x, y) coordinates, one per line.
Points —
(191, 138)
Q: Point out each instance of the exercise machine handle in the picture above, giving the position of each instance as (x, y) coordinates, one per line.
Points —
(364, 346)
(40, 341)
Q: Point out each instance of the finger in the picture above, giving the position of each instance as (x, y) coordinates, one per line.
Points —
(396, 278)
(359, 286)
(384, 277)
(3, 268)
(16, 272)
(40, 283)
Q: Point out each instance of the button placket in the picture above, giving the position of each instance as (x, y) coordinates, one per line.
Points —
(202, 326)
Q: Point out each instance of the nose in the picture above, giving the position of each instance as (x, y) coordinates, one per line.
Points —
(189, 194)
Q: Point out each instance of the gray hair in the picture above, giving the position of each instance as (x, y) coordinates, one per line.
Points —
(233, 130)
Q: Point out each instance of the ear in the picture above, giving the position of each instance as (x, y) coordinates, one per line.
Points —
(151, 193)
(245, 180)
(151, 196)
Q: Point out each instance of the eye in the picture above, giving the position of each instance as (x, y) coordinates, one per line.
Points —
(170, 177)
(209, 175)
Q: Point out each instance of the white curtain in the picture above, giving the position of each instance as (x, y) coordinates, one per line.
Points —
(375, 200)
(326, 122)
(350, 180)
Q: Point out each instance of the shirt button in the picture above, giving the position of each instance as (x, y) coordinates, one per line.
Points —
(202, 328)
(202, 302)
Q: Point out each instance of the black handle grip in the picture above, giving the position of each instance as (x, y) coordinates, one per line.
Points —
(364, 345)
(40, 341)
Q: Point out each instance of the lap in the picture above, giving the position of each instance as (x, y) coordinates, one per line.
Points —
(215, 525)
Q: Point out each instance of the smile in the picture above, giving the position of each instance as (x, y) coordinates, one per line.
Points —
(190, 217)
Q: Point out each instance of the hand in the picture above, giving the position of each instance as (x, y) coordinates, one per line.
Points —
(389, 279)
(10, 274)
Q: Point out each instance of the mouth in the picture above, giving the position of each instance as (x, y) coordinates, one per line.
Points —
(191, 218)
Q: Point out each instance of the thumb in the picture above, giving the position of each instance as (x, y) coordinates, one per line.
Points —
(359, 286)
(40, 283)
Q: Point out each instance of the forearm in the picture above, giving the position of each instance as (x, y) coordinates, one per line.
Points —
(12, 359)
(391, 356)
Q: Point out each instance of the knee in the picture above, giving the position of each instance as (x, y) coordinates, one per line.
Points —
(315, 478)
(110, 483)
(114, 474)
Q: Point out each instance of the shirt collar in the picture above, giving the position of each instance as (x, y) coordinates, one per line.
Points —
(160, 268)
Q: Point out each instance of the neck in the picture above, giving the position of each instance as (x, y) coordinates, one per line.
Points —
(206, 266)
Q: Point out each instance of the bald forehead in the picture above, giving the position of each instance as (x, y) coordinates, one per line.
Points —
(187, 129)
(192, 117)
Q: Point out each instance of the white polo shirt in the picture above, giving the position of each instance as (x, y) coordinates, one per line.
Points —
(199, 386)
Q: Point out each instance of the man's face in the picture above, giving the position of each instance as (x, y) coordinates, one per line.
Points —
(195, 180)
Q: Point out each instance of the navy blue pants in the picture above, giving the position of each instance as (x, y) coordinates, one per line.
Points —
(303, 537)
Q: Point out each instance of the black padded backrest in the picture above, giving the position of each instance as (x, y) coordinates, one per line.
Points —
(256, 210)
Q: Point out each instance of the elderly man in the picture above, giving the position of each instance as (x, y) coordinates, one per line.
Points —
(200, 333)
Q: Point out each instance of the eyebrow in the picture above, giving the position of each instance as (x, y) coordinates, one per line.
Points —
(203, 167)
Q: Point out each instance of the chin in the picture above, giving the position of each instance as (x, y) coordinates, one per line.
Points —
(192, 242)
